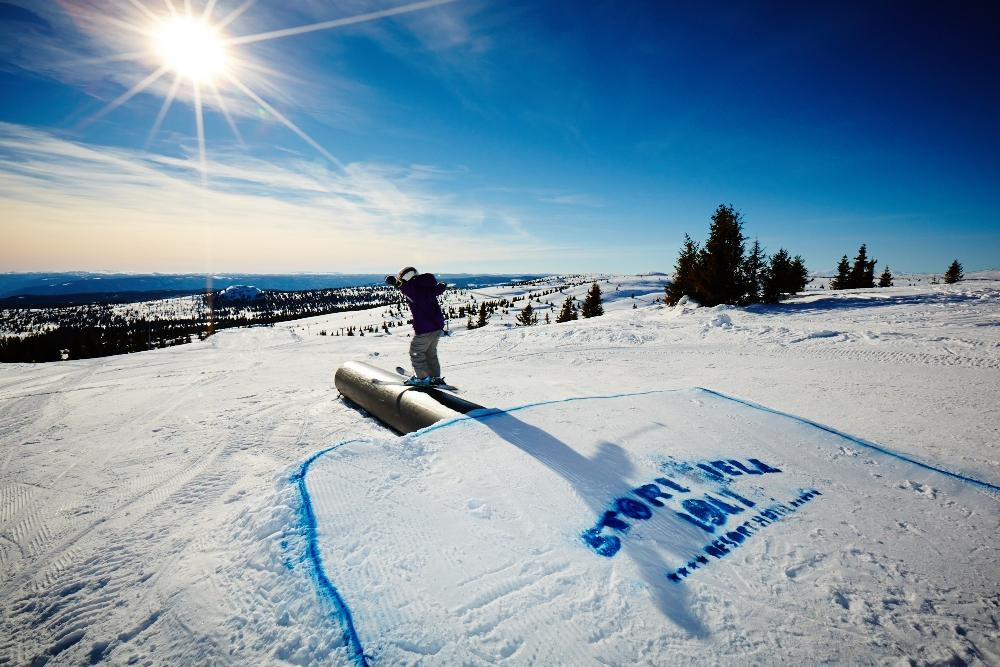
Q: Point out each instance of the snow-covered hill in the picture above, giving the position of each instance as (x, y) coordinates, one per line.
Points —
(151, 505)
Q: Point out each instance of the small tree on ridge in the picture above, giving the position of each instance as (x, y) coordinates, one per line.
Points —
(568, 311)
(683, 281)
(885, 280)
(527, 317)
(592, 303)
(754, 273)
(954, 273)
(842, 279)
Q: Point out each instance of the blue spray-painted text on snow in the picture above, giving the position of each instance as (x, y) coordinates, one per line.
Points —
(708, 511)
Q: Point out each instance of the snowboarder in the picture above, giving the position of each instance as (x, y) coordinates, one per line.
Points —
(421, 292)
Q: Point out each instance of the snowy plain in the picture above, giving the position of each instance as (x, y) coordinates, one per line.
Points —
(150, 510)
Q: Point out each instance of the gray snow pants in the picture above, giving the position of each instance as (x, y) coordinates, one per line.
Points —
(424, 354)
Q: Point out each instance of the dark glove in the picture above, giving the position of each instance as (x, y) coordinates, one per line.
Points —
(392, 280)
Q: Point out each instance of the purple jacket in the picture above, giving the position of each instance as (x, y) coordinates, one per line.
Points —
(421, 293)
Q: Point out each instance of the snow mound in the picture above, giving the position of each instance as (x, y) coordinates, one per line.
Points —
(721, 321)
(679, 523)
(813, 335)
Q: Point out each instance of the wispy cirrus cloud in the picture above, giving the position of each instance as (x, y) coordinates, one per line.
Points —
(65, 204)
(553, 196)
(571, 199)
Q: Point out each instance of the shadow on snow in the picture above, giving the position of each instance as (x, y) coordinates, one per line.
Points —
(597, 481)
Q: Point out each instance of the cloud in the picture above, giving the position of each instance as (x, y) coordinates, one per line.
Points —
(66, 204)
(570, 199)
(552, 196)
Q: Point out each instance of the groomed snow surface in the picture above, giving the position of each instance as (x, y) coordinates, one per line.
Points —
(831, 465)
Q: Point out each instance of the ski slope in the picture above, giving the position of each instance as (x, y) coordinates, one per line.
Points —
(152, 506)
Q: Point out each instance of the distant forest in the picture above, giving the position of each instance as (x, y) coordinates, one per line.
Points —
(89, 330)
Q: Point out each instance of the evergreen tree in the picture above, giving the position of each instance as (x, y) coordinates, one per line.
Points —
(843, 277)
(784, 275)
(799, 277)
(863, 272)
(718, 278)
(567, 312)
(683, 281)
(954, 273)
(592, 303)
(754, 273)
(484, 316)
(885, 280)
(778, 277)
(527, 317)
(471, 323)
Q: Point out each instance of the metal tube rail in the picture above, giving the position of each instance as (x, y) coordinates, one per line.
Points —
(405, 409)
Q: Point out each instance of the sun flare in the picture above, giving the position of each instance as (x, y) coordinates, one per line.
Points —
(191, 48)
(189, 43)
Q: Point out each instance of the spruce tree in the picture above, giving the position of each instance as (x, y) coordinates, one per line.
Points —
(719, 279)
(863, 272)
(778, 278)
(885, 280)
(483, 316)
(683, 281)
(754, 273)
(784, 275)
(527, 317)
(843, 277)
(954, 273)
(567, 312)
(799, 276)
(592, 303)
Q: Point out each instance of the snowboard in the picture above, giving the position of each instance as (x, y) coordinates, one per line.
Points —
(402, 372)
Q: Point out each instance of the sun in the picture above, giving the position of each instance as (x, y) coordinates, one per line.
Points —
(189, 43)
(191, 48)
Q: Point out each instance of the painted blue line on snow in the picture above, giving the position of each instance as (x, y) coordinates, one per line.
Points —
(343, 612)
(858, 441)
(308, 519)
(327, 589)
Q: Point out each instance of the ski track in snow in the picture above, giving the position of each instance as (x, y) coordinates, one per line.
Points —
(148, 511)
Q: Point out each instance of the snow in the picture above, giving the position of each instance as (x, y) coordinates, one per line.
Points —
(240, 293)
(470, 545)
(152, 506)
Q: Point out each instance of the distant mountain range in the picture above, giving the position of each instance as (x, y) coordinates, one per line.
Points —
(170, 284)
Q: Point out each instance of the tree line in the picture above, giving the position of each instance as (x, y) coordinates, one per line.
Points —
(724, 271)
(102, 329)
(861, 273)
(592, 306)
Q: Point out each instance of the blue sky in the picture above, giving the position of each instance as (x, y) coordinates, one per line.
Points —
(502, 136)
